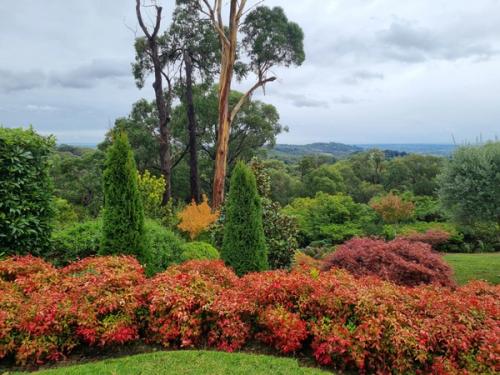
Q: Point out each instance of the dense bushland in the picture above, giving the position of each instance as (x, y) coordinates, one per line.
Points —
(25, 192)
(401, 261)
(345, 322)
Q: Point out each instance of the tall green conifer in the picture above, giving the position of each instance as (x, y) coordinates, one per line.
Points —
(123, 218)
(244, 244)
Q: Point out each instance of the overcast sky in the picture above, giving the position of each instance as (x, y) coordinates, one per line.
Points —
(376, 71)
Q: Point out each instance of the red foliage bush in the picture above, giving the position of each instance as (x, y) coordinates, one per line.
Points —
(357, 323)
(400, 261)
(283, 330)
(179, 300)
(93, 301)
(431, 237)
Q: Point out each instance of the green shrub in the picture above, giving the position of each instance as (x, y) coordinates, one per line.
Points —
(199, 251)
(123, 215)
(162, 248)
(481, 237)
(64, 213)
(334, 218)
(427, 208)
(244, 244)
(25, 192)
(281, 230)
(456, 242)
(75, 241)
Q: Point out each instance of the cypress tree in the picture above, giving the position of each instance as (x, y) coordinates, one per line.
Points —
(123, 217)
(244, 244)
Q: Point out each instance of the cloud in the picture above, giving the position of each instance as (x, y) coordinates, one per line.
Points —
(89, 75)
(301, 101)
(41, 108)
(361, 75)
(345, 100)
(12, 81)
(82, 77)
(407, 42)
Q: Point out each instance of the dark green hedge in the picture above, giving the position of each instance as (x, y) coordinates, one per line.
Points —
(25, 192)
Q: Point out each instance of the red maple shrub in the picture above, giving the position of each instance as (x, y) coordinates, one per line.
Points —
(400, 261)
(431, 237)
(344, 321)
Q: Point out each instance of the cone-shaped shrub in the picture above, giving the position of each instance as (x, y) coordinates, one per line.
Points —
(123, 218)
(244, 244)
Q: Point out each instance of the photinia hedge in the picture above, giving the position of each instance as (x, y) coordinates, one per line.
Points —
(346, 322)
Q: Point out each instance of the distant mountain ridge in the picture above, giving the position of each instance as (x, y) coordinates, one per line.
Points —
(330, 148)
(340, 150)
(415, 148)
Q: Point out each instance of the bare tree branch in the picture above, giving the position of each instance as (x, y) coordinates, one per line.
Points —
(248, 94)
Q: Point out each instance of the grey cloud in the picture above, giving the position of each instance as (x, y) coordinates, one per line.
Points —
(345, 100)
(41, 108)
(82, 77)
(89, 75)
(404, 41)
(301, 101)
(11, 81)
(360, 76)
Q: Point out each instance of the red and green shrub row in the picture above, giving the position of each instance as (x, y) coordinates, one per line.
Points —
(347, 323)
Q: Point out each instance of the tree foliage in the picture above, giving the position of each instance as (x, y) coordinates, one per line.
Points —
(280, 229)
(25, 192)
(123, 217)
(393, 208)
(331, 218)
(244, 244)
(470, 184)
(270, 39)
(77, 177)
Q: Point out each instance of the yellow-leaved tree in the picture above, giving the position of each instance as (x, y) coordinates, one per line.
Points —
(195, 218)
(151, 189)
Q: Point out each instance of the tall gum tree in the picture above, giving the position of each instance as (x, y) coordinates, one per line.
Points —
(269, 40)
(195, 46)
(149, 59)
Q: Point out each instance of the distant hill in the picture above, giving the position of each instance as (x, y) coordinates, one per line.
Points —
(337, 150)
(417, 148)
(340, 150)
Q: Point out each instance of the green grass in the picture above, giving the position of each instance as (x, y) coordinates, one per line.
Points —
(467, 267)
(187, 363)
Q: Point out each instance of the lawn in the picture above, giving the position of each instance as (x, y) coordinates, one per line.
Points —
(188, 362)
(484, 266)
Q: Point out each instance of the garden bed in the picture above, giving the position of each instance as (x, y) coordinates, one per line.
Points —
(337, 320)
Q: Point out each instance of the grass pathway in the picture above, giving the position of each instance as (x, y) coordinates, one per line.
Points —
(483, 266)
(190, 362)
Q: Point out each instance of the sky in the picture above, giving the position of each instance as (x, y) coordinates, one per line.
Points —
(376, 71)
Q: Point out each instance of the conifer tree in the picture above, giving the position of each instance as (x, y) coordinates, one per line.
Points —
(123, 218)
(244, 245)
